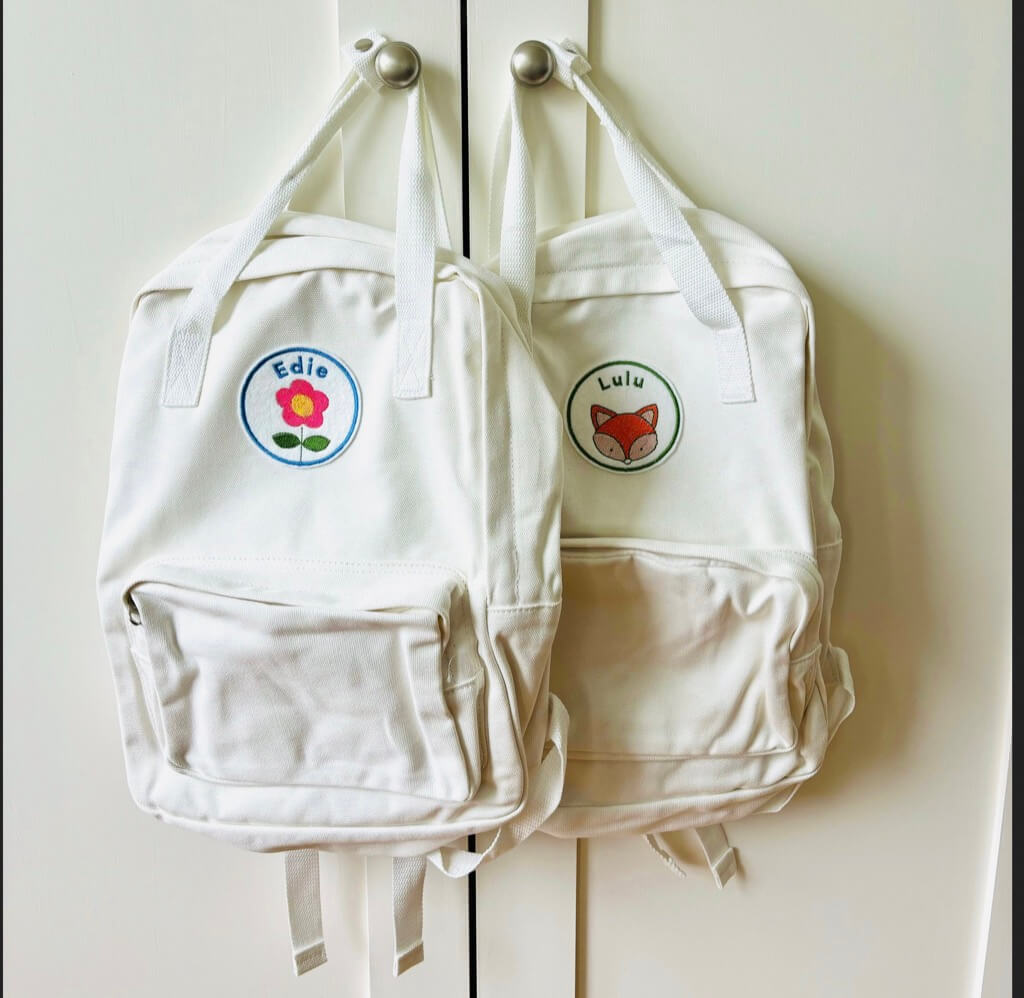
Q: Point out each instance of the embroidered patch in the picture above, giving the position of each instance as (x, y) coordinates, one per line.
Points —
(624, 416)
(301, 406)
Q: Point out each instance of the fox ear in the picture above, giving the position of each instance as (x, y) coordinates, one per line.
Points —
(600, 415)
(650, 413)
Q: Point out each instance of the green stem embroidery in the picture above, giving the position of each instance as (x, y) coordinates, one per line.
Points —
(301, 448)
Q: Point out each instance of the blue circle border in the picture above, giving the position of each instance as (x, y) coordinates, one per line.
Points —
(355, 416)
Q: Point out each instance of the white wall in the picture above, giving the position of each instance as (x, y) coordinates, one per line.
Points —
(870, 143)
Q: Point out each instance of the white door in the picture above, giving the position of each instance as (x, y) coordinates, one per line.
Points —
(870, 144)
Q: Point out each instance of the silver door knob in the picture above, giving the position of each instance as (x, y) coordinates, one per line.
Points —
(398, 65)
(532, 63)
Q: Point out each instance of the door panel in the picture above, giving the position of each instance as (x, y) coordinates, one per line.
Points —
(373, 141)
(526, 901)
(556, 118)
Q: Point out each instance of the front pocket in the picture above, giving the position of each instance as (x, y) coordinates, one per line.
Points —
(667, 650)
(373, 686)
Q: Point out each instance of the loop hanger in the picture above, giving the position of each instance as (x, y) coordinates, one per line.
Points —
(397, 65)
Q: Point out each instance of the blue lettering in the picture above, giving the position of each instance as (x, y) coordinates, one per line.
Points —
(321, 372)
(279, 369)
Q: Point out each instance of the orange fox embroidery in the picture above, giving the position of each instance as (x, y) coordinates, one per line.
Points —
(625, 436)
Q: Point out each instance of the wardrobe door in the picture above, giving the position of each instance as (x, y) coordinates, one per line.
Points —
(834, 131)
(870, 143)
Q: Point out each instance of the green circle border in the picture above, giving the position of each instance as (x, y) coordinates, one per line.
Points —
(675, 401)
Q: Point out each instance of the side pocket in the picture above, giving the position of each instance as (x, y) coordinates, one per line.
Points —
(466, 706)
(522, 638)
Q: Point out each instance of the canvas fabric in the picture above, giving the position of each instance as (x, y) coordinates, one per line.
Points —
(329, 577)
(700, 549)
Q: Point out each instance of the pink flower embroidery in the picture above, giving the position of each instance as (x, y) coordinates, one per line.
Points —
(302, 405)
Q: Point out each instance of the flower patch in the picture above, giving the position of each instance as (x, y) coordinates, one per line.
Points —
(300, 406)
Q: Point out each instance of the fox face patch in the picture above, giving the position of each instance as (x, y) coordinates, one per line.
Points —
(625, 436)
(624, 416)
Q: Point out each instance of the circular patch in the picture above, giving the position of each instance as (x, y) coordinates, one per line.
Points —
(301, 406)
(624, 416)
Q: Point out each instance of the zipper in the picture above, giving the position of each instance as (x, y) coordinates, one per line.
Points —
(765, 562)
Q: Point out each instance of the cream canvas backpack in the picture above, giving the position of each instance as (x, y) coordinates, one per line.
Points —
(699, 545)
(329, 576)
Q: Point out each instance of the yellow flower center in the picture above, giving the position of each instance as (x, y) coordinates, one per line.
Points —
(302, 405)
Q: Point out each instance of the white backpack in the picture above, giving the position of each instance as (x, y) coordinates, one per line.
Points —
(329, 577)
(699, 544)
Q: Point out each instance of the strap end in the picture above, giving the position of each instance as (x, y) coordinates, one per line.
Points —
(729, 397)
(305, 925)
(720, 855)
(407, 876)
(309, 958)
(361, 56)
(412, 375)
(418, 389)
(736, 383)
(569, 61)
(724, 868)
(185, 367)
(409, 959)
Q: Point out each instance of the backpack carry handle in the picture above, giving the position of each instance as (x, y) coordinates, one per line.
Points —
(659, 202)
(419, 223)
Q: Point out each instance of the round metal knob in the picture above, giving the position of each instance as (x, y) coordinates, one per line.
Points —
(398, 65)
(532, 63)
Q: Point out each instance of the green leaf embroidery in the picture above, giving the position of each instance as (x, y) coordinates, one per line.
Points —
(316, 443)
(286, 440)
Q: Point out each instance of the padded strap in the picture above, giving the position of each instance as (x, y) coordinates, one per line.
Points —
(407, 876)
(658, 202)
(302, 887)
